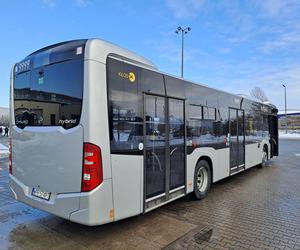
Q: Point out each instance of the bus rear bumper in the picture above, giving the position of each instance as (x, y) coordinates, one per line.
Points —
(91, 208)
(96, 207)
(61, 205)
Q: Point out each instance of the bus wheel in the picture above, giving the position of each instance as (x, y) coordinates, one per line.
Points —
(202, 180)
(264, 159)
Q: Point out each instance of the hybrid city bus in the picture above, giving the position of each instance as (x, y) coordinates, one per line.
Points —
(99, 134)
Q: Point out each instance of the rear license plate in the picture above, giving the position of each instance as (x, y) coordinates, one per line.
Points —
(41, 194)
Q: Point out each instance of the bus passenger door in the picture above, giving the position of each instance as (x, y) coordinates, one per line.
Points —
(273, 131)
(275, 136)
(154, 146)
(164, 150)
(176, 150)
(237, 140)
(241, 138)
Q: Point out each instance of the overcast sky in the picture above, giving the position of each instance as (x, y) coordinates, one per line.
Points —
(234, 45)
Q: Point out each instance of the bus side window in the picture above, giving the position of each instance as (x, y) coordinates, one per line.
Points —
(203, 126)
(126, 122)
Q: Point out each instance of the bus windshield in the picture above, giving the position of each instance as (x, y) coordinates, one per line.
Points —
(48, 88)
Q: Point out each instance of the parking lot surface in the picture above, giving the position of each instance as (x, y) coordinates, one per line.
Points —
(256, 209)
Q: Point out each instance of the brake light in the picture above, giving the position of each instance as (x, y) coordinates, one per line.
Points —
(10, 156)
(92, 173)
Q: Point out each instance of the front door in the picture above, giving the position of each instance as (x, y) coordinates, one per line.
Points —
(164, 149)
(237, 140)
(273, 131)
(155, 145)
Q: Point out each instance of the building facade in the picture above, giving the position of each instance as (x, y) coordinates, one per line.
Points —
(4, 116)
(293, 120)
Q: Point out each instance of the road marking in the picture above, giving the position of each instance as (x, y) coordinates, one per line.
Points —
(297, 154)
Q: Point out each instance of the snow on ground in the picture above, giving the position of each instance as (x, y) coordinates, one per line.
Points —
(3, 151)
(289, 135)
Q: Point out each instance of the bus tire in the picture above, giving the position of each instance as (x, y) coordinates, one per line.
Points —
(202, 180)
(264, 159)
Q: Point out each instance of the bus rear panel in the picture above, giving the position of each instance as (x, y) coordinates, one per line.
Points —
(53, 166)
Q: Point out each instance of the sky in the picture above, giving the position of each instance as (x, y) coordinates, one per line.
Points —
(233, 45)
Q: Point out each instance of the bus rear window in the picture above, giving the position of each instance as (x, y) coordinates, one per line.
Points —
(49, 94)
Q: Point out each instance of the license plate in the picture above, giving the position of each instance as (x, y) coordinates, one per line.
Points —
(41, 194)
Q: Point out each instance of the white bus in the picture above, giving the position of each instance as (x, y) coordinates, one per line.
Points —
(99, 134)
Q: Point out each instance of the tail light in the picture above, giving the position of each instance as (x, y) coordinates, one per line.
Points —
(10, 156)
(92, 173)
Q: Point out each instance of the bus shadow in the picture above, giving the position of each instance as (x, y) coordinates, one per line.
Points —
(149, 231)
(219, 190)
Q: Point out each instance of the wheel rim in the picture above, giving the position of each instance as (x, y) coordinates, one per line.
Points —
(202, 179)
(264, 160)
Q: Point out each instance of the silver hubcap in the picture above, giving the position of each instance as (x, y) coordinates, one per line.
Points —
(202, 179)
(264, 160)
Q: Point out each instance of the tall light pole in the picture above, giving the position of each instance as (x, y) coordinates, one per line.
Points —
(286, 121)
(183, 32)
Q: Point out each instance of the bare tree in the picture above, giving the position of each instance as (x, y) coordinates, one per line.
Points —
(4, 120)
(259, 94)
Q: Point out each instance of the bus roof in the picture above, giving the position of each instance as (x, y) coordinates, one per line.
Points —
(99, 49)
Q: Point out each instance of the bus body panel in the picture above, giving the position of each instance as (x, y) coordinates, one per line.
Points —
(253, 155)
(254, 152)
(48, 158)
(127, 185)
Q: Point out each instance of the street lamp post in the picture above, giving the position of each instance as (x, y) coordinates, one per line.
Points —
(286, 121)
(183, 32)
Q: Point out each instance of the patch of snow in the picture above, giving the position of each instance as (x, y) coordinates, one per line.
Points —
(4, 152)
(2, 147)
(288, 112)
(289, 135)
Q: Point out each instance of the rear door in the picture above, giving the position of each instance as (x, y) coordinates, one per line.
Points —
(177, 143)
(241, 138)
(237, 140)
(47, 136)
(234, 143)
